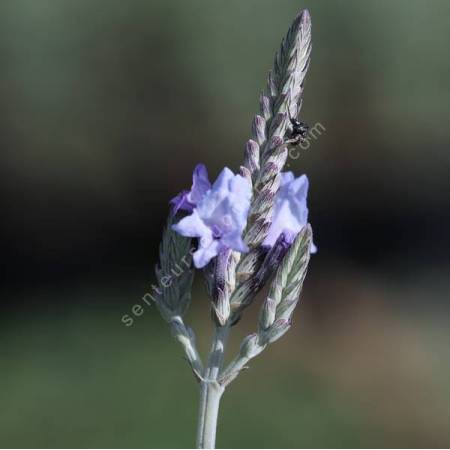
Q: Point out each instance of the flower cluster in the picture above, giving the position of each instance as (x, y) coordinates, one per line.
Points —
(218, 212)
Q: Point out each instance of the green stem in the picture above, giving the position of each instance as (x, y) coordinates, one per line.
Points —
(210, 394)
(211, 391)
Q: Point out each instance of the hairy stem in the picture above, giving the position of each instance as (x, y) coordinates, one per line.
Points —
(211, 391)
(210, 394)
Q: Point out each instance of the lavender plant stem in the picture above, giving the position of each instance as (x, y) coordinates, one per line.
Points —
(211, 391)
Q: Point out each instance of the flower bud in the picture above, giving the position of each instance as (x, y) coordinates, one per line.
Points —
(259, 129)
(257, 232)
(275, 142)
(277, 330)
(267, 316)
(264, 104)
(272, 84)
(221, 308)
(287, 306)
(243, 295)
(270, 170)
(263, 201)
(250, 346)
(275, 256)
(244, 172)
(250, 263)
(251, 157)
(279, 124)
(221, 286)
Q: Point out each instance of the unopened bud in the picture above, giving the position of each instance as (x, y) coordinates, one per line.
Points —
(252, 155)
(271, 85)
(263, 201)
(221, 309)
(275, 142)
(267, 317)
(286, 308)
(278, 328)
(257, 232)
(269, 171)
(250, 346)
(279, 124)
(250, 263)
(243, 295)
(259, 129)
(244, 172)
(275, 255)
(264, 103)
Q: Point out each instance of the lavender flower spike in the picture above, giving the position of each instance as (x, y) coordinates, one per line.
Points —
(188, 200)
(290, 212)
(219, 218)
(261, 212)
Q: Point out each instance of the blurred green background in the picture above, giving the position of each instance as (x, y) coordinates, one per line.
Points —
(106, 107)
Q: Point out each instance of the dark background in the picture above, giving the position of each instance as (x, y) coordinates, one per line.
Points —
(106, 107)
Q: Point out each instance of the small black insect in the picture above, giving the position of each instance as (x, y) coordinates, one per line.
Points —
(299, 131)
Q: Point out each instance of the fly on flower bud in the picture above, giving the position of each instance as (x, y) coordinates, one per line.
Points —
(298, 133)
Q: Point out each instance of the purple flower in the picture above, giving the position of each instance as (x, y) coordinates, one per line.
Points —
(188, 200)
(290, 214)
(219, 214)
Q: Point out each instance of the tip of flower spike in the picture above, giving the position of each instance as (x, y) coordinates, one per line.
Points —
(303, 18)
(305, 15)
